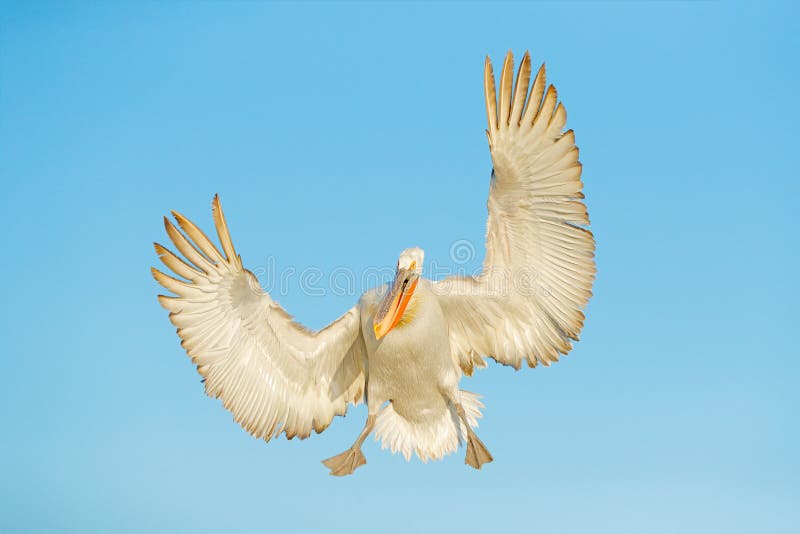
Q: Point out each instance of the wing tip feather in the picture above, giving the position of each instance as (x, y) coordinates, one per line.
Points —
(223, 233)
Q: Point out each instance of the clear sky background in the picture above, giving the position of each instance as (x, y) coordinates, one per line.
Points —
(677, 411)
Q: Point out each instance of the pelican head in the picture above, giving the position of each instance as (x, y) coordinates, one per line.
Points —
(390, 311)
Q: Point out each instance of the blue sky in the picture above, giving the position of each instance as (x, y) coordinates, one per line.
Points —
(677, 412)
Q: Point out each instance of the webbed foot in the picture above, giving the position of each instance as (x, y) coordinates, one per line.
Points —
(345, 463)
(477, 453)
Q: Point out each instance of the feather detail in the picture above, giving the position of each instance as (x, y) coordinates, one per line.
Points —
(537, 252)
(491, 98)
(271, 373)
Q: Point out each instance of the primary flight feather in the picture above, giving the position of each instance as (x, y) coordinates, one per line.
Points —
(404, 348)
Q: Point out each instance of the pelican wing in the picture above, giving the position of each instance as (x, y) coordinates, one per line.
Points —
(539, 267)
(271, 373)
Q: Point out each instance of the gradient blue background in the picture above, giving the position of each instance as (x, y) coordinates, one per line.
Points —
(678, 410)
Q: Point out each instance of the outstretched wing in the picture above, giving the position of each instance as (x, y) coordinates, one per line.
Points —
(539, 266)
(271, 373)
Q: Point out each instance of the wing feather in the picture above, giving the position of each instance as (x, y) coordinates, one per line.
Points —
(535, 98)
(177, 265)
(202, 241)
(223, 234)
(272, 374)
(537, 277)
(491, 97)
(521, 89)
(187, 249)
(506, 77)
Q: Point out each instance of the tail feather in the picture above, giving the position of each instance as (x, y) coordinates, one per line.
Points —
(430, 441)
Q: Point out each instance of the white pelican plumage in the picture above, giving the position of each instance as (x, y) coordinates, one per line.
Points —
(404, 348)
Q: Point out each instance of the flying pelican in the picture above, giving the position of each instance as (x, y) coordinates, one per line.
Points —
(404, 348)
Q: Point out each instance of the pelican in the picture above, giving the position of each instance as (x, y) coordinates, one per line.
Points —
(404, 347)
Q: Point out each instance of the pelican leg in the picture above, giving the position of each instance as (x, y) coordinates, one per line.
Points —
(351, 459)
(477, 453)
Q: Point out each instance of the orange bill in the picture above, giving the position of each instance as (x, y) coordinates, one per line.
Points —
(394, 304)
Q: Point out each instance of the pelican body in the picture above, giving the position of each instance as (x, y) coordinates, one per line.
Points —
(405, 347)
